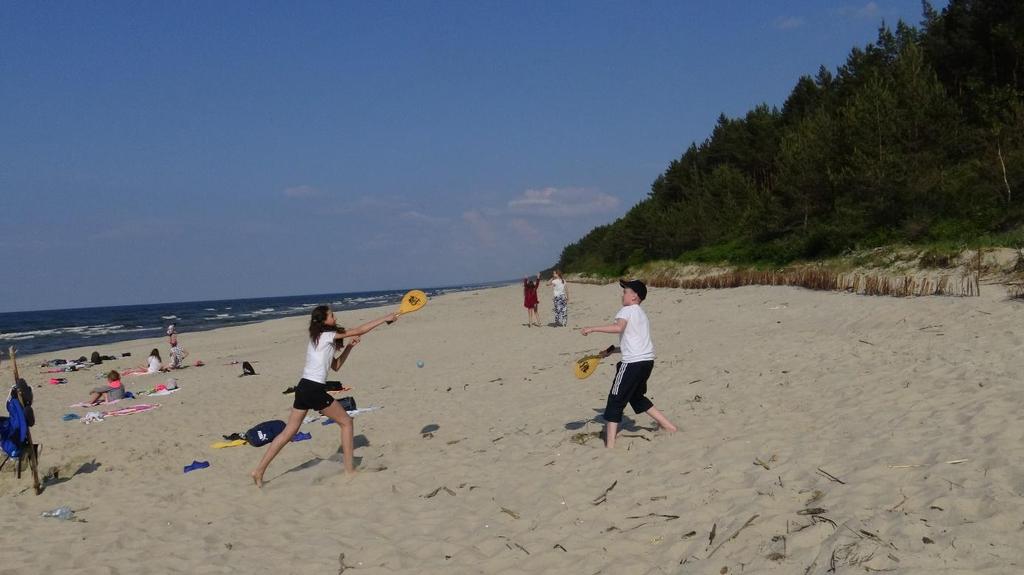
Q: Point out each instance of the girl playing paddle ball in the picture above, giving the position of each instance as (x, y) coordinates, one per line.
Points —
(311, 393)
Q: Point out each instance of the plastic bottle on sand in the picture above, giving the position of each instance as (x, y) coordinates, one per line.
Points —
(63, 513)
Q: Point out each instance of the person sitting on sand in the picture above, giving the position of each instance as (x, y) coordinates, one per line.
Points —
(155, 364)
(630, 383)
(113, 390)
(311, 393)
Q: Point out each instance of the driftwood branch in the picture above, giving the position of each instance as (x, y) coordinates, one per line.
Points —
(830, 476)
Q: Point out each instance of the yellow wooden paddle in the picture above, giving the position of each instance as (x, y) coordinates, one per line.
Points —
(585, 366)
(412, 301)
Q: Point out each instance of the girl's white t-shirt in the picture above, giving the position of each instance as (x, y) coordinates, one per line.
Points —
(558, 287)
(635, 341)
(318, 358)
(154, 364)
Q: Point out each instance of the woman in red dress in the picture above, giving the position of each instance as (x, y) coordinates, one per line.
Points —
(530, 300)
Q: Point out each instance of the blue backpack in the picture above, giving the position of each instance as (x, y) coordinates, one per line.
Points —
(264, 433)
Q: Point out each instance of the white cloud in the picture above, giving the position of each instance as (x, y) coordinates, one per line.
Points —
(563, 202)
(869, 10)
(417, 217)
(367, 205)
(301, 192)
(788, 23)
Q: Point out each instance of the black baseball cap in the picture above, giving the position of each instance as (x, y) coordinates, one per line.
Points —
(637, 286)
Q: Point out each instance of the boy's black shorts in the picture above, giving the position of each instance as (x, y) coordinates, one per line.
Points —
(311, 395)
(629, 386)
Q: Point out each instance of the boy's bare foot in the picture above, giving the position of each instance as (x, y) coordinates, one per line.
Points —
(257, 478)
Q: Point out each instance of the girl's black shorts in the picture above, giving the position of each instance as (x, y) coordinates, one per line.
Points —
(310, 394)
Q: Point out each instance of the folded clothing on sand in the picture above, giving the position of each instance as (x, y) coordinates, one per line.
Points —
(196, 465)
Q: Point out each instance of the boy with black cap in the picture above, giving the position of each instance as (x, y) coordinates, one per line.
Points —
(630, 383)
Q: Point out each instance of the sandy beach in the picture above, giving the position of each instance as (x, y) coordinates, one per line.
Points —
(817, 430)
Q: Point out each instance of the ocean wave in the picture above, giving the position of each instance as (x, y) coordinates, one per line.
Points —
(19, 335)
(117, 329)
(169, 317)
(78, 330)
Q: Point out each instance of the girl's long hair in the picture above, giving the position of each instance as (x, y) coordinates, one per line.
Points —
(317, 327)
(155, 353)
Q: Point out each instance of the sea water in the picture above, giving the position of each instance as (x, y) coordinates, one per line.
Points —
(41, 331)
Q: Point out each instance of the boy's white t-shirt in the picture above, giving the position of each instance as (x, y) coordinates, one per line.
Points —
(558, 287)
(318, 358)
(635, 341)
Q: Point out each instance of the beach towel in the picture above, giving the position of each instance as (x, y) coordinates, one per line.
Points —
(133, 371)
(137, 408)
(232, 443)
(353, 413)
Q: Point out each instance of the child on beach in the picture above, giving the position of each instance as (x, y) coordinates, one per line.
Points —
(178, 354)
(530, 301)
(630, 383)
(154, 362)
(113, 390)
(311, 393)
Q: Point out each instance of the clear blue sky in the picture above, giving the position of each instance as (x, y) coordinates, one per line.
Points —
(171, 151)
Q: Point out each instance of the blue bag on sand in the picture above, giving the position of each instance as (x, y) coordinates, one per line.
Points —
(264, 433)
(14, 429)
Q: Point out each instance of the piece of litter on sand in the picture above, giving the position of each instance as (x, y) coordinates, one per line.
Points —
(953, 462)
